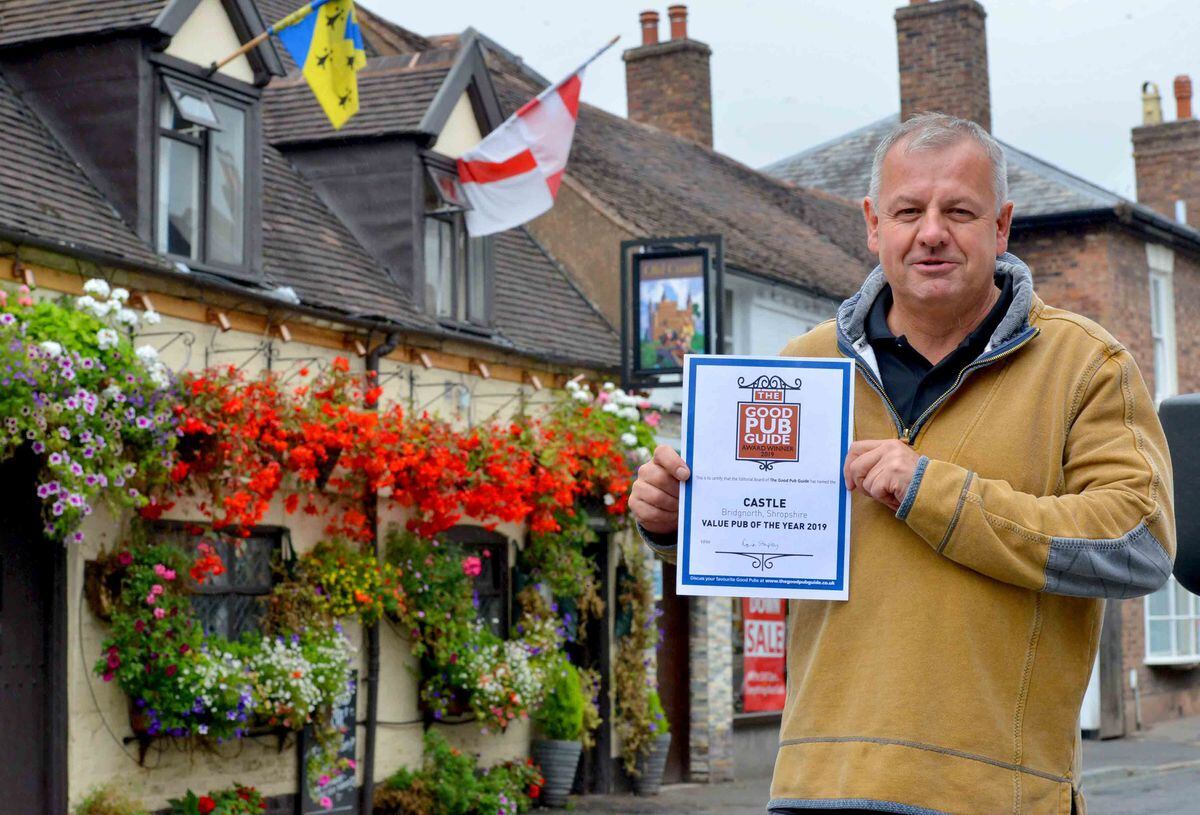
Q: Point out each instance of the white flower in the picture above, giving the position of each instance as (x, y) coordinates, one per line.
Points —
(572, 385)
(111, 392)
(147, 353)
(127, 316)
(152, 317)
(609, 500)
(630, 413)
(120, 295)
(97, 287)
(608, 386)
(629, 439)
(85, 302)
(159, 376)
(106, 338)
(642, 453)
(611, 407)
(51, 347)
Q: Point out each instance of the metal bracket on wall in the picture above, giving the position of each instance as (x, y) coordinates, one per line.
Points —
(263, 348)
(187, 338)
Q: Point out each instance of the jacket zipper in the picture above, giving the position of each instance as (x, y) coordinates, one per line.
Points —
(908, 434)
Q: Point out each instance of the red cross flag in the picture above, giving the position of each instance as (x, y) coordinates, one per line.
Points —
(513, 175)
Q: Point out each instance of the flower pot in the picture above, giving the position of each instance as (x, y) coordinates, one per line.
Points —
(558, 760)
(139, 721)
(102, 587)
(650, 767)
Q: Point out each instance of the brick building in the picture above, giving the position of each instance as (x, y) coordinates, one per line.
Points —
(1134, 267)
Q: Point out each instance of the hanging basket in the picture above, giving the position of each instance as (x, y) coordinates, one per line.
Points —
(102, 586)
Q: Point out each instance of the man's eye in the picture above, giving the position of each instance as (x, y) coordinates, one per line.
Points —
(907, 211)
(962, 213)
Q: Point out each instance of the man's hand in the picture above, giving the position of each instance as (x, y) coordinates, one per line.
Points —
(881, 468)
(654, 498)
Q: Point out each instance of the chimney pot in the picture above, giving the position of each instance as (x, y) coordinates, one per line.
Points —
(649, 21)
(1151, 104)
(678, 15)
(1183, 97)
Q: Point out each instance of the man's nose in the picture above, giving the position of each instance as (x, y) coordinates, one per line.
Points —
(932, 230)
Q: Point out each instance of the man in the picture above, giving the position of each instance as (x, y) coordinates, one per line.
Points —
(1010, 475)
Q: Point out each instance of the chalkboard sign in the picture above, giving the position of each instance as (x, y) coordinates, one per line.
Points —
(341, 789)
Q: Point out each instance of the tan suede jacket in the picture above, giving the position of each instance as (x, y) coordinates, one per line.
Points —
(952, 679)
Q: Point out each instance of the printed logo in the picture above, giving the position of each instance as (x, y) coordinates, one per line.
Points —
(768, 425)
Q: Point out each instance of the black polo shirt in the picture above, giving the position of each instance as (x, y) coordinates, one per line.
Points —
(910, 380)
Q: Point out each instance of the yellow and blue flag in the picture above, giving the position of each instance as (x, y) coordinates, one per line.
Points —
(324, 39)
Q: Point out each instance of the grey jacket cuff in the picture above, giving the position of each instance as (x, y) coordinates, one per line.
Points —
(661, 543)
(910, 496)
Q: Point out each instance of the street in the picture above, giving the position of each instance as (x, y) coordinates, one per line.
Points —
(1153, 773)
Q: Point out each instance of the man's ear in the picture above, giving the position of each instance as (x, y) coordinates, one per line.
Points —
(1004, 227)
(872, 219)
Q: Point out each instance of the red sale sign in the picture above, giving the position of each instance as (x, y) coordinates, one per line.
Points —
(764, 685)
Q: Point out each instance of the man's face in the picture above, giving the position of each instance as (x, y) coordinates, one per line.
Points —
(935, 226)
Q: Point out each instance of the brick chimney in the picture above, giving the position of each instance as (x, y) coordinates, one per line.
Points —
(943, 59)
(668, 84)
(1166, 160)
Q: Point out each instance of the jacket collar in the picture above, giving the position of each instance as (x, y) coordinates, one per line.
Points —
(852, 314)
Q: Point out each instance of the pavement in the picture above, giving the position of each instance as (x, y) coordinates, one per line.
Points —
(1155, 772)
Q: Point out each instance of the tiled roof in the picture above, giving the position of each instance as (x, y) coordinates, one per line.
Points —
(306, 247)
(664, 185)
(393, 98)
(48, 196)
(30, 20)
(541, 312)
(842, 166)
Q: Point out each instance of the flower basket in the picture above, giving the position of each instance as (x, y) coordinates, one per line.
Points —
(102, 586)
(650, 767)
(139, 722)
(558, 760)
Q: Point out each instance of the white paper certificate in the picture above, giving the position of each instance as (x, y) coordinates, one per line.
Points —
(766, 512)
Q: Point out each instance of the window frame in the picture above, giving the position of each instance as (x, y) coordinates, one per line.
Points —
(1173, 617)
(432, 165)
(281, 553)
(165, 71)
(1161, 262)
(476, 539)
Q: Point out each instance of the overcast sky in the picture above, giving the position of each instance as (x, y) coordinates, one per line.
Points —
(1066, 75)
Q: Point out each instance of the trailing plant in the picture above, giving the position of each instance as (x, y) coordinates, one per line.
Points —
(634, 681)
(589, 680)
(239, 800)
(352, 583)
(95, 410)
(560, 716)
(448, 783)
(108, 800)
(659, 726)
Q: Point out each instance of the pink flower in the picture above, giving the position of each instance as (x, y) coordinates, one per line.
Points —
(326, 802)
(652, 419)
(25, 301)
(156, 588)
(472, 566)
(159, 613)
(151, 599)
(351, 764)
(3, 298)
(168, 575)
(159, 569)
(323, 780)
(603, 397)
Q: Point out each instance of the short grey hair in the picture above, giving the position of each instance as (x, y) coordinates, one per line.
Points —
(932, 131)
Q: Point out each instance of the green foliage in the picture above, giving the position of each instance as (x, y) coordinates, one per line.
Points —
(239, 800)
(107, 800)
(659, 726)
(352, 582)
(635, 721)
(449, 783)
(556, 559)
(561, 714)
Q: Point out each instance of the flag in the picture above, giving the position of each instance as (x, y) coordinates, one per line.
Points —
(513, 175)
(324, 39)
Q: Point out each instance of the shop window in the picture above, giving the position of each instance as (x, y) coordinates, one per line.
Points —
(493, 583)
(202, 189)
(457, 276)
(231, 604)
(1172, 626)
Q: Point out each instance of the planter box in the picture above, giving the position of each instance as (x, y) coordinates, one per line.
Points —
(651, 767)
(558, 760)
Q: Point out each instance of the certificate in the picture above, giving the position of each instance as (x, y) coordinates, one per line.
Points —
(766, 512)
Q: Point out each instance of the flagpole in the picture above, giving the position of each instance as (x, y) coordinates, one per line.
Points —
(290, 20)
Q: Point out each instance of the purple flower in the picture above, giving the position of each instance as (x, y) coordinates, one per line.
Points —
(58, 509)
(66, 434)
(39, 448)
(76, 469)
(56, 459)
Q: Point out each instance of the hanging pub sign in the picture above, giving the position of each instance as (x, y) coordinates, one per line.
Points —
(670, 306)
(764, 654)
(341, 790)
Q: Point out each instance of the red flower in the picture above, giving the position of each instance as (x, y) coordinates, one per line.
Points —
(206, 805)
(534, 790)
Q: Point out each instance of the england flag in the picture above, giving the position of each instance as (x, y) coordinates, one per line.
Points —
(513, 175)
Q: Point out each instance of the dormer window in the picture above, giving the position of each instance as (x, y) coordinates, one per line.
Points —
(457, 276)
(202, 175)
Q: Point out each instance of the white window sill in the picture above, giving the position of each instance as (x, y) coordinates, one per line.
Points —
(1182, 663)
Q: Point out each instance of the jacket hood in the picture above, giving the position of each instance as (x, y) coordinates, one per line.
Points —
(852, 314)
